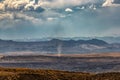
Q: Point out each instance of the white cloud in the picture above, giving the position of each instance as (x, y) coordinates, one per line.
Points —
(8, 5)
(35, 5)
(51, 19)
(82, 7)
(68, 10)
(27, 4)
(92, 7)
(110, 3)
(65, 3)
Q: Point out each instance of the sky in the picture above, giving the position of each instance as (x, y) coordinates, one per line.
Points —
(35, 19)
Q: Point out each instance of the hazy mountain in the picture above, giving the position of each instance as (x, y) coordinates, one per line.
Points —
(59, 46)
(106, 39)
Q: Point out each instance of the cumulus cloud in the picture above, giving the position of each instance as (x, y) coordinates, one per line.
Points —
(11, 5)
(65, 3)
(37, 5)
(68, 10)
(113, 3)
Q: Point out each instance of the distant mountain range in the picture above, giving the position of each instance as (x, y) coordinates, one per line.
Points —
(59, 46)
(107, 39)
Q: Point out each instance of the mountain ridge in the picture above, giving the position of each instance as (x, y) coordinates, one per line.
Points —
(60, 40)
(57, 45)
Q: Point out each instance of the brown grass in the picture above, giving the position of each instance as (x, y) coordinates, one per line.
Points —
(29, 74)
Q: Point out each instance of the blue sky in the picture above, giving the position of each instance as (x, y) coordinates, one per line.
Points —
(59, 18)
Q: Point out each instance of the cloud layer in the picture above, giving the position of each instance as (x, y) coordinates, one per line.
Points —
(37, 5)
(56, 18)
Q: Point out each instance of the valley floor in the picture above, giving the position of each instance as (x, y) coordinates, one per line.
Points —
(94, 62)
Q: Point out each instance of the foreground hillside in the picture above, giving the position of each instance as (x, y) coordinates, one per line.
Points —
(28, 74)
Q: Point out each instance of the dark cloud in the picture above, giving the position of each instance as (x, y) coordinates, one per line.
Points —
(116, 1)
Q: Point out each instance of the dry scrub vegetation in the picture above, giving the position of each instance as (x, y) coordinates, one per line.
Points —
(29, 74)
